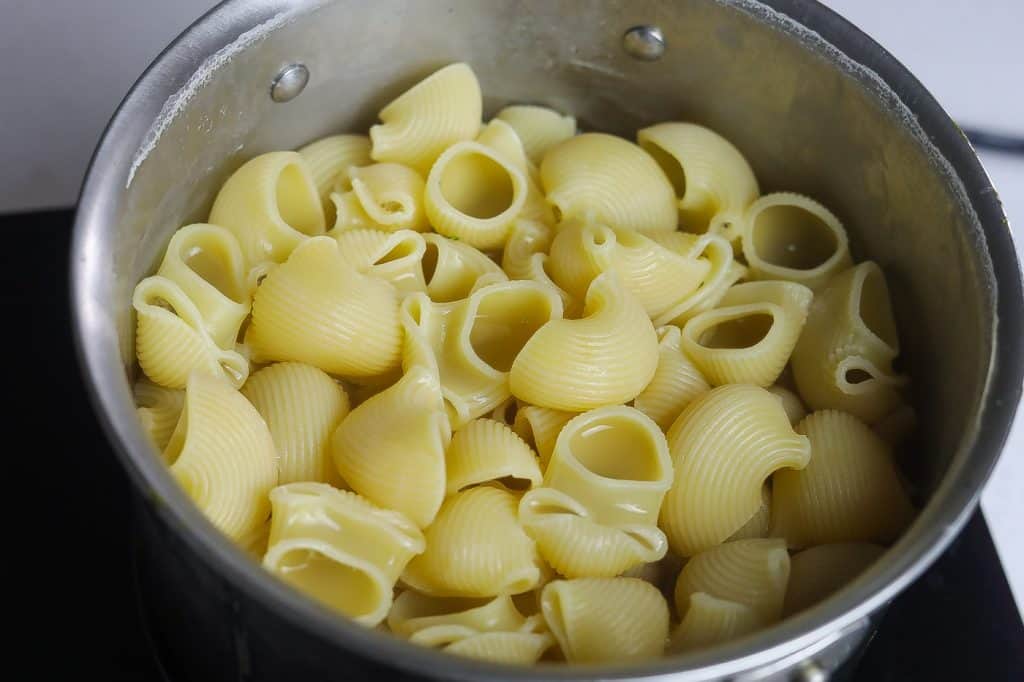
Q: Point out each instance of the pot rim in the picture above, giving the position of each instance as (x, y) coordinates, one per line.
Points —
(935, 527)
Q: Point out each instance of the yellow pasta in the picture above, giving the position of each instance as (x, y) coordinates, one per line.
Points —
(540, 427)
(329, 160)
(502, 138)
(396, 257)
(709, 621)
(222, 455)
(759, 525)
(675, 384)
(492, 630)
(479, 526)
(526, 238)
(159, 409)
(791, 403)
(452, 269)
(206, 262)
(301, 406)
(749, 337)
(384, 196)
(609, 356)
(597, 511)
(486, 450)
(850, 491)
(817, 572)
(439, 111)
(597, 620)
(319, 310)
(725, 271)
(474, 193)
(792, 237)
(754, 573)
(603, 178)
(539, 128)
(724, 445)
(171, 339)
(337, 547)
(271, 205)
(712, 180)
(843, 360)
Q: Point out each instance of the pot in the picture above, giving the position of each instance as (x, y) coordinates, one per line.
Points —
(815, 105)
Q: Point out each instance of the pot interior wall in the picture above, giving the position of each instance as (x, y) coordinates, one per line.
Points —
(807, 123)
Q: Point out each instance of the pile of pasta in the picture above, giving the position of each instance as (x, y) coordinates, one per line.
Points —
(520, 393)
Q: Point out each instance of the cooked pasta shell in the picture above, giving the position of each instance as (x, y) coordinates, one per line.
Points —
(725, 271)
(754, 573)
(749, 337)
(724, 445)
(540, 427)
(539, 128)
(603, 178)
(390, 449)
(676, 382)
(302, 407)
(514, 648)
(206, 262)
(339, 548)
(502, 138)
(791, 403)
(452, 269)
(329, 160)
(159, 409)
(792, 237)
(817, 572)
(271, 205)
(843, 360)
(396, 257)
(474, 193)
(759, 525)
(485, 450)
(849, 492)
(607, 357)
(171, 340)
(439, 111)
(527, 237)
(709, 621)
(384, 196)
(319, 310)
(712, 180)
(600, 620)
(476, 548)
(222, 455)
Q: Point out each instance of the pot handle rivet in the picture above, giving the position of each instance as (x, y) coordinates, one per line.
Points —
(289, 82)
(645, 43)
(810, 671)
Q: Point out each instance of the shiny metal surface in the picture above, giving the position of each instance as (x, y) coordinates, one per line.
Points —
(289, 83)
(644, 42)
(816, 106)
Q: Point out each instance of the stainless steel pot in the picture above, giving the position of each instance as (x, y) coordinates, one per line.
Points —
(815, 105)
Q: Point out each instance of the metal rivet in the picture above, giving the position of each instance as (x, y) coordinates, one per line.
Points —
(289, 83)
(644, 42)
(810, 671)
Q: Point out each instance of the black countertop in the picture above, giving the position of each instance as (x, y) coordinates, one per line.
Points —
(72, 543)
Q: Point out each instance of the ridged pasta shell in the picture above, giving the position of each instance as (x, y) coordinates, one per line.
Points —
(709, 621)
(159, 409)
(318, 310)
(329, 160)
(603, 178)
(676, 382)
(486, 450)
(502, 138)
(476, 548)
(302, 407)
(749, 337)
(607, 357)
(339, 548)
(540, 427)
(527, 237)
(849, 491)
(384, 196)
(539, 128)
(396, 257)
(759, 525)
(599, 620)
(791, 403)
(817, 572)
(724, 445)
(222, 455)
(725, 271)
(439, 111)
(452, 270)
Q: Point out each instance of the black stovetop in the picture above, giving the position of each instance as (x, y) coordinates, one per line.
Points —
(72, 535)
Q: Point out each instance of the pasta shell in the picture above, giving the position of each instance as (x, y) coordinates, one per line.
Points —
(396, 257)
(709, 621)
(791, 403)
(476, 548)
(486, 450)
(452, 270)
(159, 409)
(609, 356)
(724, 445)
(329, 160)
(676, 382)
(599, 620)
(502, 138)
(222, 455)
(539, 128)
(725, 271)
(318, 310)
(384, 196)
(817, 572)
(540, 426)
(528, 237)
(759, 525)
(339, 548)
